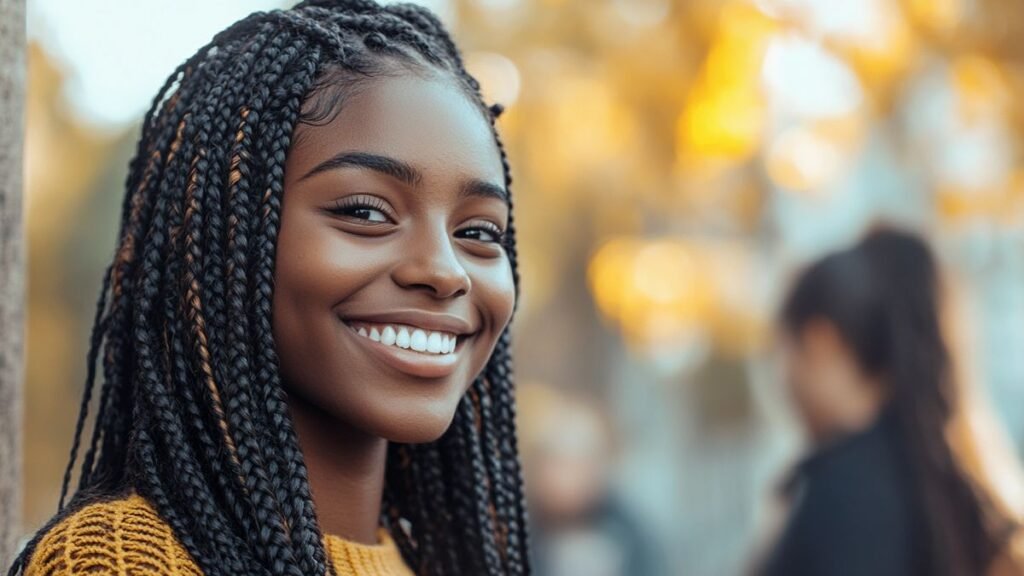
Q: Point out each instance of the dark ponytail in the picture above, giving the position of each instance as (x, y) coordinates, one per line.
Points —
(883, 297)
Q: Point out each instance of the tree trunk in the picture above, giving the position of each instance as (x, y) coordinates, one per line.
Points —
(12, 107)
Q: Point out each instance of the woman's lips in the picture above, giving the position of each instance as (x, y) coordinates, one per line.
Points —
(409, 349)
(408, 337)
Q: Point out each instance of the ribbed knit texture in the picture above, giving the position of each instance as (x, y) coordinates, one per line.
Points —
(127, 537)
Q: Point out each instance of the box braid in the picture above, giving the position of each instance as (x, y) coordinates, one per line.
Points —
(191, 411)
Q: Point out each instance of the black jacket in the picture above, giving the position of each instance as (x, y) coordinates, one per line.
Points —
(855, 512)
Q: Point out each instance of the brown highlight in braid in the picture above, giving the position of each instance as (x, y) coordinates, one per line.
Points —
(191, 411)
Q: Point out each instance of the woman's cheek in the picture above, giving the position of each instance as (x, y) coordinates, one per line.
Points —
(499, 293)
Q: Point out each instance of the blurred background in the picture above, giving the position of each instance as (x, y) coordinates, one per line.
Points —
(674, 162)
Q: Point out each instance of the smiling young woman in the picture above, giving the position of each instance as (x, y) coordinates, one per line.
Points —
(304, 330)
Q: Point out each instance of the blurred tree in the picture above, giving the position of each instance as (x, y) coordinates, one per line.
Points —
(12, 84)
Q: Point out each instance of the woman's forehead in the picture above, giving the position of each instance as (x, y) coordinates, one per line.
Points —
(428, 122)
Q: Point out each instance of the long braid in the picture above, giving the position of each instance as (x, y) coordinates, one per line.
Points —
(161, 404)
(149, 479)
(200, 258)
(192, 413)
(270, 149)
(119, 359)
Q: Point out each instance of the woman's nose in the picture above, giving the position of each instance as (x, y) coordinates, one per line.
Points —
(430, 263)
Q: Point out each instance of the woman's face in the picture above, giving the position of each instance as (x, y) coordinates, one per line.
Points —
(391, 283)
(830, 391)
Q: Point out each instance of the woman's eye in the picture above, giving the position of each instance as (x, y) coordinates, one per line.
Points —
(366, 209)
(491, 234)
(368, 214)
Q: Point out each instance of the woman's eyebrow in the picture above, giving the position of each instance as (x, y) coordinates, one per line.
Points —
(484, 189)
(401, 171)
(383, 164)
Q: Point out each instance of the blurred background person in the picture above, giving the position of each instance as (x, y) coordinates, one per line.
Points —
(578, 524)
(865, 360)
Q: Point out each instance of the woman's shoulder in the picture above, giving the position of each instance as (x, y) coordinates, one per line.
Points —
(120, 536)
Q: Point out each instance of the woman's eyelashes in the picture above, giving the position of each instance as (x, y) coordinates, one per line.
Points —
(364, 209)
(483, 231)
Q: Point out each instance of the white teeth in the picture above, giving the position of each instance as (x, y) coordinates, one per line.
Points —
(419, 340)
(408, 337)
(434, 342)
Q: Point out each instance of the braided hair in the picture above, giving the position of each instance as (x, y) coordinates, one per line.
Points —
(191, 412)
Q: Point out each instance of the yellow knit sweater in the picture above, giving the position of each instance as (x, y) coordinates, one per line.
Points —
(127, 537)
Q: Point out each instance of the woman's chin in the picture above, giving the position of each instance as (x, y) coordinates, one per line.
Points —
(422, 433)
(417, 427)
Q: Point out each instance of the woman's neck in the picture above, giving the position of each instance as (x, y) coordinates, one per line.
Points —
(346, 472)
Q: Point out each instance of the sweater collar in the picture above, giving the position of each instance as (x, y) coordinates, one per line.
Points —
(353, 558)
